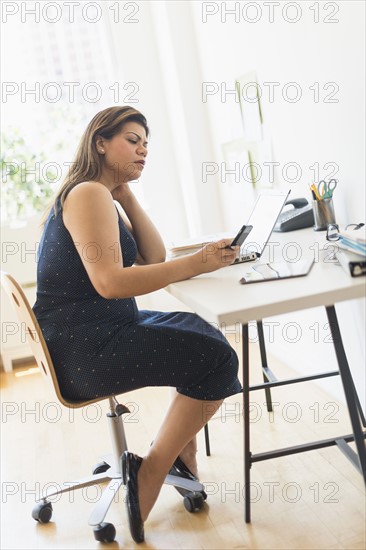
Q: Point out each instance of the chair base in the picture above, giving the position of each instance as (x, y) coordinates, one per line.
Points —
(110, 471)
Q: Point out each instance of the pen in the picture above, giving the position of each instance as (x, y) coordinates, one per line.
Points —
(314, 192)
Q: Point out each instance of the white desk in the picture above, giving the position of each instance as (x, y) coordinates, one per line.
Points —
(219, 298)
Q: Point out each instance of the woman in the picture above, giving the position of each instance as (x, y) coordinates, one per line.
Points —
(92, 263)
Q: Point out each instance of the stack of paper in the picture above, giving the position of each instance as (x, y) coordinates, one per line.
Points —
(189, 246)
(353, 240)
(352, 251)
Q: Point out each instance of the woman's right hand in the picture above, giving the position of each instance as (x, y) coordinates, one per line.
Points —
(215, 256)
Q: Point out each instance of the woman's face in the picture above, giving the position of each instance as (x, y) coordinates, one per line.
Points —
(126, 152)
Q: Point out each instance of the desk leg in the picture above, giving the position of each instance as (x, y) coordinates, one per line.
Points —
(247, 453)
(262, 347)
(349, 388)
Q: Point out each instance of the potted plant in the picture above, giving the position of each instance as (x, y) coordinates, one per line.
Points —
(27, 182)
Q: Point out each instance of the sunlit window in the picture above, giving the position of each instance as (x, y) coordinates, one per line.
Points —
(56, 76)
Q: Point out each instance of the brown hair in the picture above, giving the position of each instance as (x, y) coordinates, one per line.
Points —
(87, 162)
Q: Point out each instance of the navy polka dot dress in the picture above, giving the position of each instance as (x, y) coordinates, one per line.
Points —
(103, 347)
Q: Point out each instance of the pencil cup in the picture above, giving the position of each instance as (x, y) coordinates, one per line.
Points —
(323, 214)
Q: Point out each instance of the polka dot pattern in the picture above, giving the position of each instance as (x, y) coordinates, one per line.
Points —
(102, 347)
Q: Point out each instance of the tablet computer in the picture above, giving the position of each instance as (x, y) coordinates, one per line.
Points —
(274, 271)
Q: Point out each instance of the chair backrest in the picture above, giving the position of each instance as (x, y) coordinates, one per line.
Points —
(35, 337)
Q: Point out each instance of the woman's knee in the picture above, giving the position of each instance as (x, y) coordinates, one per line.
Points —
(229, 360)
(233, 362)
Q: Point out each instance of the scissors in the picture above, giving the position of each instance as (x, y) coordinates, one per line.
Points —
(325, 189)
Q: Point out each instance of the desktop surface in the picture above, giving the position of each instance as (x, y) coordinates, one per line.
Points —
(218, 297)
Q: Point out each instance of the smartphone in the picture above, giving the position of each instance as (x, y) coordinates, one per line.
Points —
(241, 236)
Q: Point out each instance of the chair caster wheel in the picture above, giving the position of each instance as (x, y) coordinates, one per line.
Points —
(100, 468)
(105, 532)
(42, 512)
(193, 502)
(198, 495)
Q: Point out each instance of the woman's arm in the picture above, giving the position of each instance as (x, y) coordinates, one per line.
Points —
(150, 246)
(90, 216)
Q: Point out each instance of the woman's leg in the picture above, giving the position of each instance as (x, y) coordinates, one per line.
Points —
(188, 454)
(185, 417)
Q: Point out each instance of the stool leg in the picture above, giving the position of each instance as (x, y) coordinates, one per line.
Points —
(360, 411)
(262, 347)
(349, 388)
(247, 453)
(207, 441)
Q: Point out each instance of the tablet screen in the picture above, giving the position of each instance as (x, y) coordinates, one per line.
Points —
(273, 271)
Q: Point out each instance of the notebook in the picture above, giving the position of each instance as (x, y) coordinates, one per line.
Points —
(263, 219)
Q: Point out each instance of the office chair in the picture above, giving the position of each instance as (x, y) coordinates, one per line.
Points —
(107, 471)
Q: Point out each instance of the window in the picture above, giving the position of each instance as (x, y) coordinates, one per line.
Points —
(56, 76)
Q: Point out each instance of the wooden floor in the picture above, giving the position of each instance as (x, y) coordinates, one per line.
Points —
(313, 500)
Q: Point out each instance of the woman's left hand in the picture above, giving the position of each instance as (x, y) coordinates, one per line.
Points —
(121, 192)
(151, 249)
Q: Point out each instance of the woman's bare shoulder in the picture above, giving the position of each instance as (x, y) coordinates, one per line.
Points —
(90, 192)
(91, 197)
(86, 187)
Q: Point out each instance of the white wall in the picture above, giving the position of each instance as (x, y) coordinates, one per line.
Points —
(137, 52)
(304, 52)
(159, 55)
